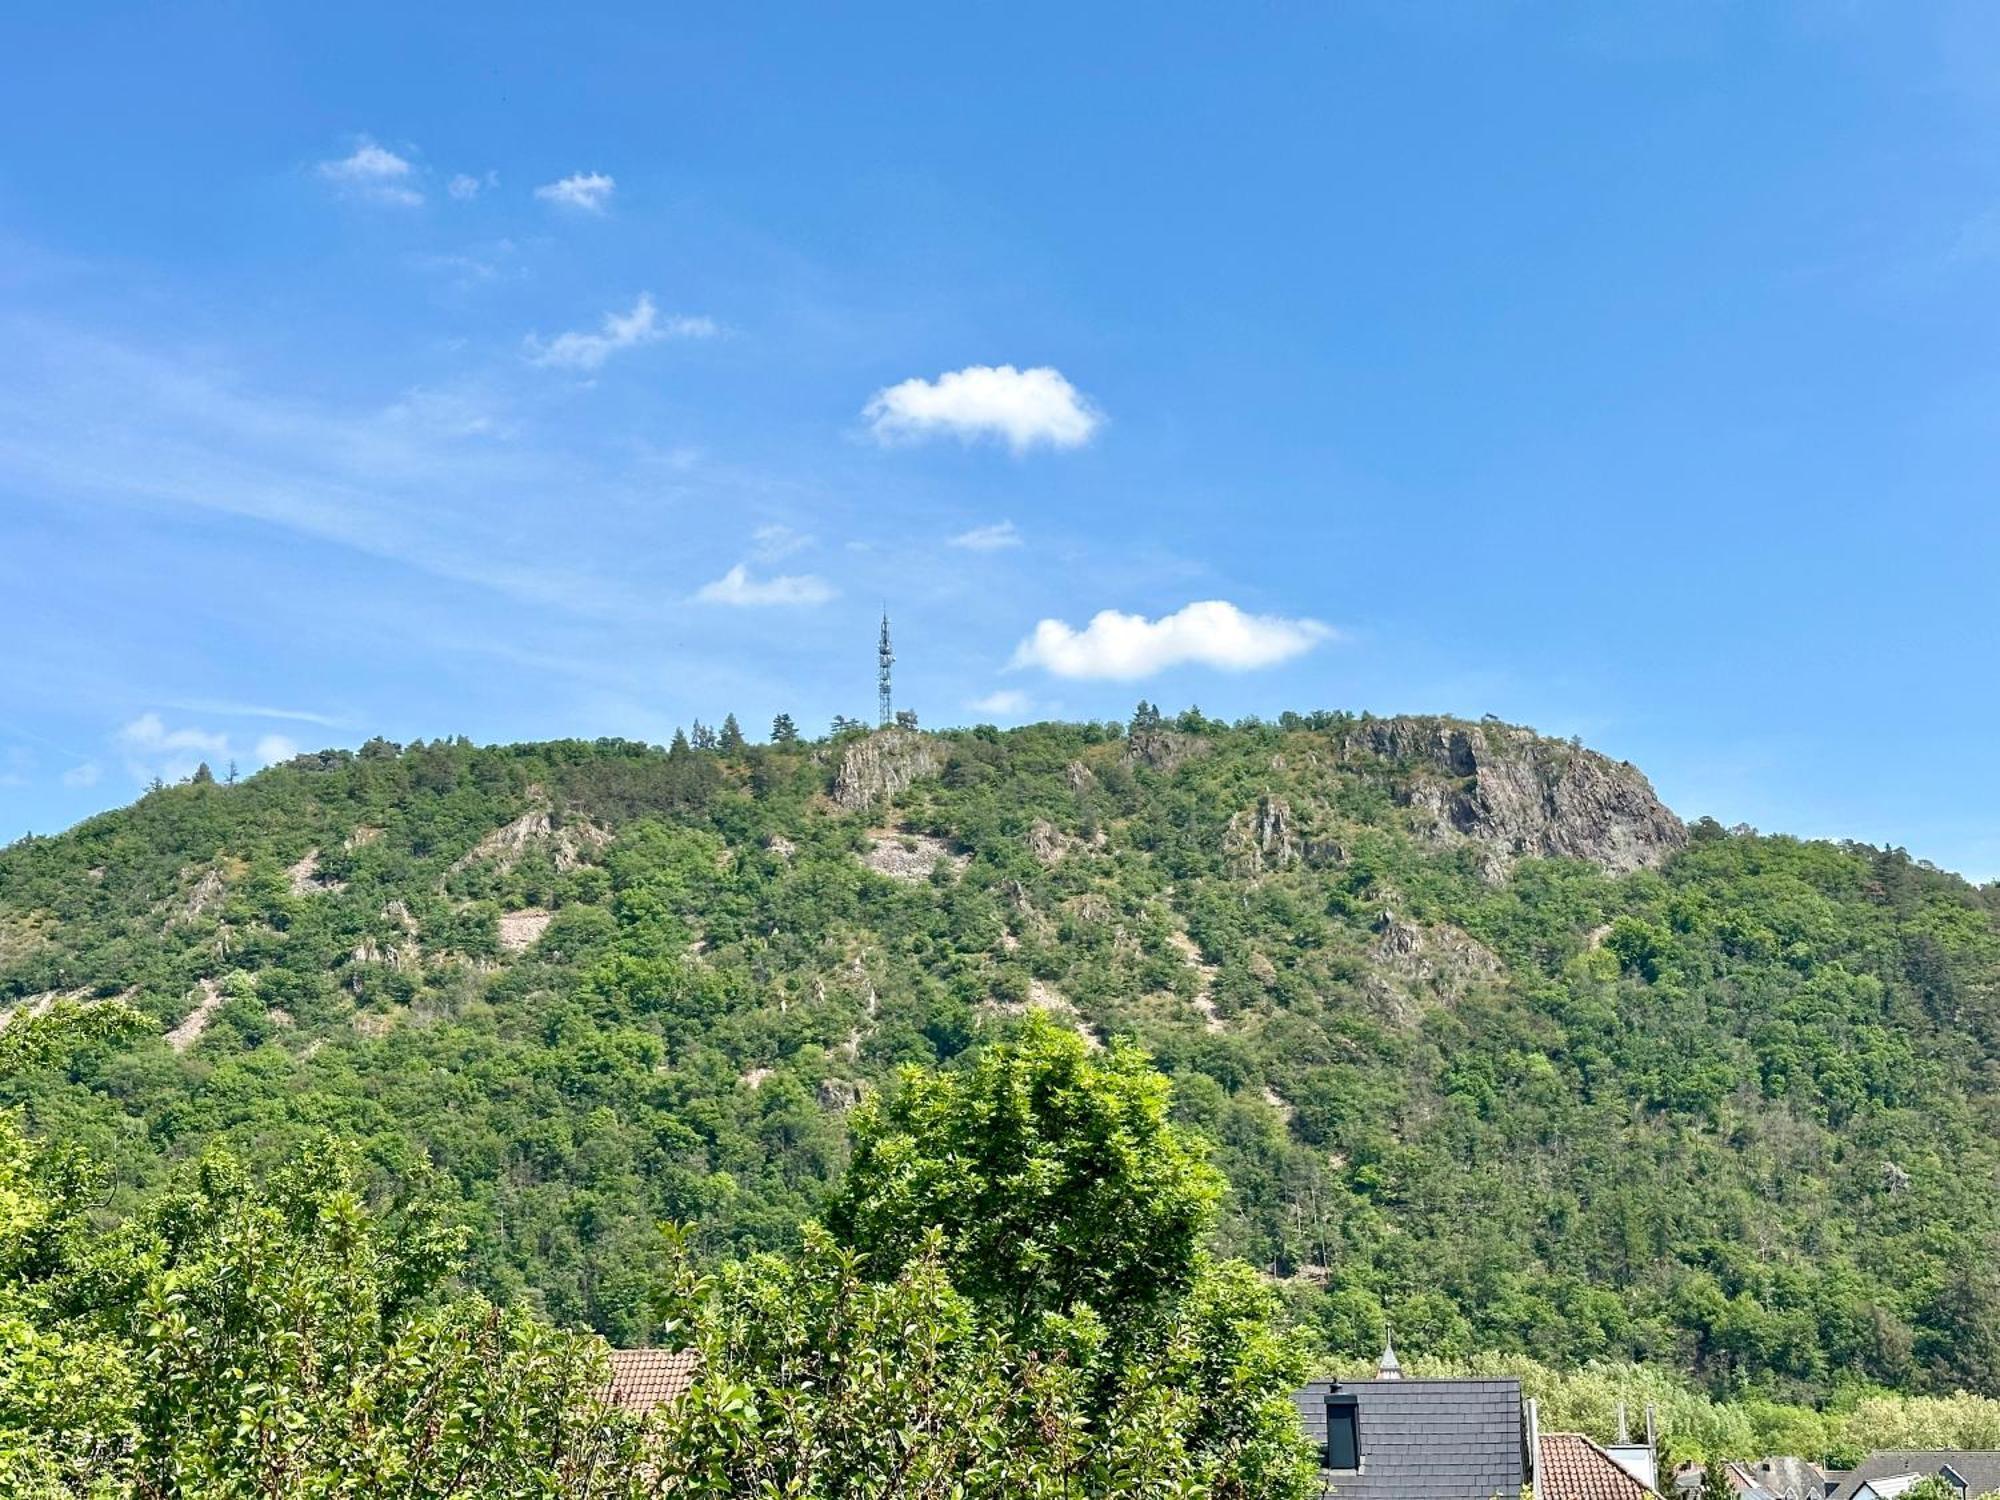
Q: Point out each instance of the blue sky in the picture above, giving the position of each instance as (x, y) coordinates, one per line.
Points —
(528, 371)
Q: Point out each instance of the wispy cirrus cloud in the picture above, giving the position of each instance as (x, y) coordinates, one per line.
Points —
(232, 709)
(192, 436)
(738, 587)
(1007, 703)
(374, 173)
(1023, 408)
(995, 538)
(773, 541)
(626, 330)
(1210, 633)
(587, 192)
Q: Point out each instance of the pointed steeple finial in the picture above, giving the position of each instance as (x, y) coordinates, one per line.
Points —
(1390, 1368)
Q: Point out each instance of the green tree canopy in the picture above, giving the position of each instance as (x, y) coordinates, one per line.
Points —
(1053, 1174)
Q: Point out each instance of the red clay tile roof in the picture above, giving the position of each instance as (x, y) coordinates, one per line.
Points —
(1575, 1468)
(642, 1379)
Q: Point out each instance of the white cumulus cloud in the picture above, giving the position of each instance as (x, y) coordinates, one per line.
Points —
(738, 587)
(372, 171)
(150, 747)
(993, 538)
(626, 330)
(83, 775)
(1021, 407)
(1210, 633)
(464, 185)
(588, 191)
(149, 732)
(1007, 702)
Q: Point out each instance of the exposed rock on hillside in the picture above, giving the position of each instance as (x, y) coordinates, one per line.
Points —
(882, 766)
(910, 856)
(520, 930)
(303, 874)
(306, 879)
(837, 1095)
(570, 845)
(1204, 983)
(1267, 839)
(204, 897)
(1046, 997)
(1517, 795)
(195, 1022)
(1051, 846)
(1413, 966)
(34, 1006)
(1163, 749)
(1274, 837)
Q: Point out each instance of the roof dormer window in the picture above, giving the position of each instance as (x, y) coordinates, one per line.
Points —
(1343, 1435)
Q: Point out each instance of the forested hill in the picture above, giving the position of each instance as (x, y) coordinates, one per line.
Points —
(1488, 1042)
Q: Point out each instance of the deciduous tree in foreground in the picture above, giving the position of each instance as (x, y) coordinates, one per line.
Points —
(293, 1338)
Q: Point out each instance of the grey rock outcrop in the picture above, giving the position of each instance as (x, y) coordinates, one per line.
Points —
(1447, 958)
(1266, 839)
(882, 766)
(1516, 795)
(1413, 967)
(1163, 749)
(571, 844)
(1275, 836)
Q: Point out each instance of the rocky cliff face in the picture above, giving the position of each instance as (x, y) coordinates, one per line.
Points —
(881, 766)
(1413, 967)
(1274, 837)
(1516, 795)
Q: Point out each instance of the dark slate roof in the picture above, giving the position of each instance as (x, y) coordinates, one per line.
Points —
(1575, 1468)
(642, 1379)
(1426, 1439)
(1979, 1470)
(1786, 1478)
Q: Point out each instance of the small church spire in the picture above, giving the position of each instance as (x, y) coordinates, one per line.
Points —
(1390, 1368)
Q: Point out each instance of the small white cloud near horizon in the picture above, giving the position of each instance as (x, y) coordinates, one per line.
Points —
(994, 538)
(737, 587)
(585, 191)
(1210, 633)
(86, 774)
(1007, 702)
(374, 172)
(272, 748)
(1023, 408)
(627, 330)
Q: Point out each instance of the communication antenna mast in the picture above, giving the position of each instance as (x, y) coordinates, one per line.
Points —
(885, 659)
